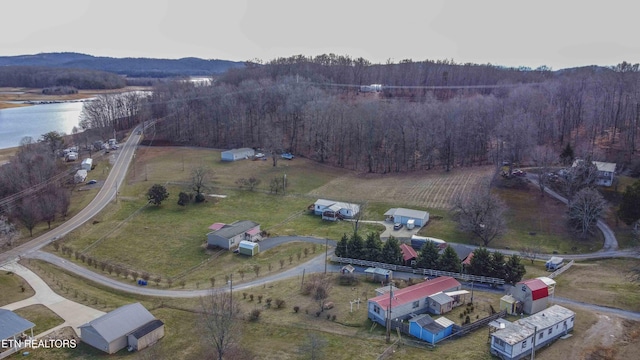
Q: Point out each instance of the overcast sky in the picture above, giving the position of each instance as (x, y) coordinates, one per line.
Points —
(558, 34)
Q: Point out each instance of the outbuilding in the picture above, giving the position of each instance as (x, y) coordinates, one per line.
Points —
(425, 328)
(237, 154)
(248, 248)
(146, 335)
(110, 332)
(440, 303)
(533, 293)
(379, 274)
(80, 176)
(402, 216)
(87, 164)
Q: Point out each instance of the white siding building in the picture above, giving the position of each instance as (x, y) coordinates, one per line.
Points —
(237, 154)
(517, 339)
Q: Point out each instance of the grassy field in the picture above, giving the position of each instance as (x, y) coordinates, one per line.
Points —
(14, 288)
(41, 316)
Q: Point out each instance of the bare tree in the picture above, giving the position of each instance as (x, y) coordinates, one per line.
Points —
(543, 156)
(200, 181)
(219, 320)
(313, 347)
(28, 213)
(319, 286)
(8, 232)
(583, 174)
(480, 213)
(531, 252)
(585, 209)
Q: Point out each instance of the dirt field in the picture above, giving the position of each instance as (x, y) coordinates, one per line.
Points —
(431, 189)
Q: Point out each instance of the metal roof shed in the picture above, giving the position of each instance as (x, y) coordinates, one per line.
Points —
(13, 325)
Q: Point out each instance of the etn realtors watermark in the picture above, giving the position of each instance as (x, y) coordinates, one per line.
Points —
(39, 344)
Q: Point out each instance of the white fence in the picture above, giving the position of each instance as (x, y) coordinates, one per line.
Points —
(561, 270)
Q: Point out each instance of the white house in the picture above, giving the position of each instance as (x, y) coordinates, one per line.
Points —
(606, 172)
(333, 210)
(516, 340)
(228, 236)
(402, 216)
(237, 154)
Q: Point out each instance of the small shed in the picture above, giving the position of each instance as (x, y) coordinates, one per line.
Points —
(80, 176)
(409, 255)
(533, 293)
(379, 274)
(237, 154)
(146, 335)
(248, 248)
(440, 303)
(425, 328)
(510, 304)
(551, 284)
(87, 164)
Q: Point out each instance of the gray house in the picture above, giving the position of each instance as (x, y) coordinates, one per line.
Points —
(110, 332)
(228, 236)
(237, 154)
(402, 216)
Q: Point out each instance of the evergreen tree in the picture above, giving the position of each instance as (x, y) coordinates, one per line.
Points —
(480, 262)
(449, 261)
(567, 155)
(514, 270)
(428, 257)
(629, 210)
(373, 247)
(355, 246)
(341, 248)
(391, 253)
(498, 265)
(157, 194)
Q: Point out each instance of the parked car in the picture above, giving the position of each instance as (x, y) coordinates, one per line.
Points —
(287, 156)
(259, 155)
(397, 226)
(518, 172)
(91, 182)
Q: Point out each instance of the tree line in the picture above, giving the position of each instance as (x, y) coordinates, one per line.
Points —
(46, 77)
(520, 114)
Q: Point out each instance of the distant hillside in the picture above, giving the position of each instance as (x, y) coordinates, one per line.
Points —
(133, 67)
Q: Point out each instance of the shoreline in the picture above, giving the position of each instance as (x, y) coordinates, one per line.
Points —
(11, 97)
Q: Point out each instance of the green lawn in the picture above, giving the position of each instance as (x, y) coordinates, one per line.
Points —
(41, 316)
(14, 288)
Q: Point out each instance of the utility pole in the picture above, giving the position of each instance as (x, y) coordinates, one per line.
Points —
(231, 294)
(389, 314)
(326, 250)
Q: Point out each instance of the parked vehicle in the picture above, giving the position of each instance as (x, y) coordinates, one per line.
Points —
(91, 182)
(287, 156)
(518, 172)
(397, 226)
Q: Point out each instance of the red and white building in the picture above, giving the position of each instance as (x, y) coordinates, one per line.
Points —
(533, 294)
(412, 300)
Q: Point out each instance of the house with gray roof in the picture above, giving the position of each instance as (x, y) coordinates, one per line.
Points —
(334, 210)
(402, 216)
(110, 331)
(237, 154)
(228, 236)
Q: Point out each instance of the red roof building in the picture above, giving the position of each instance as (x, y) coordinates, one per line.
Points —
(533, 294)
(408, 254)
(412, 299)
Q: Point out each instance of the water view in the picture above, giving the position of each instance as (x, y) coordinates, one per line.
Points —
(35, 120)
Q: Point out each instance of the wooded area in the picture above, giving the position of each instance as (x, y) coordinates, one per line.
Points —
(43, 77)
(428, 114)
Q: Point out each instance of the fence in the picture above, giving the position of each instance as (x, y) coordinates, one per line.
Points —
(561, 270)
(425, 272)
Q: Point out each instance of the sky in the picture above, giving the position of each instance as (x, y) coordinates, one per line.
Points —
(556, 34)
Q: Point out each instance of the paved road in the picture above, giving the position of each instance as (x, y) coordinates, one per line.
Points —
(106, 194)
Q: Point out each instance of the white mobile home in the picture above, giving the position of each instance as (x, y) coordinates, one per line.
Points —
(80, 176)
(228, 236)
(237, 154)
(333, 210)
(517, 339)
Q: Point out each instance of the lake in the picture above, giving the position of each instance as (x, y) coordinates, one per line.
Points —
(35, 120)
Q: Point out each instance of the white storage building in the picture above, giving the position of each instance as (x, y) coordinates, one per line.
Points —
(237, 154)
(87, 164)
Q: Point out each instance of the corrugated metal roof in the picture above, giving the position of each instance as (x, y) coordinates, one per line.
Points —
(441, 298)
(147, 328)
(522, 329)
(418, 291)
(444, 322)
(407, 252)
(605, 166)
(337, 205)
(121, 321)
(12, 324)
(247, 245)
(378, 271)
(457, 292)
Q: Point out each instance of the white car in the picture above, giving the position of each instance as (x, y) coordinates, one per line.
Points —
(259, 155)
